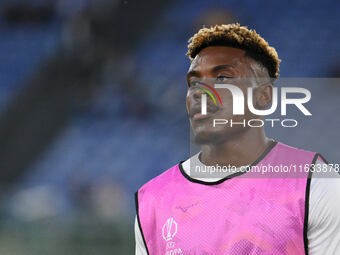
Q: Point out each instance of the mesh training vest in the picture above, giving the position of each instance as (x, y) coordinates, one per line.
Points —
(240, 214)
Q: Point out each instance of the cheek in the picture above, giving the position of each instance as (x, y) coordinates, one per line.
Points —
(226, 97)
(188, 101)
(227, 100)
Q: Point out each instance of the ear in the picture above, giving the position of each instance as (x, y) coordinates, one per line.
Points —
(263, 96)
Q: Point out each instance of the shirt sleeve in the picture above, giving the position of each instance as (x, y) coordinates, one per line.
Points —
(324, 212)
(140, 247)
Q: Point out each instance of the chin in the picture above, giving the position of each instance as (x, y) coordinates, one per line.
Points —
(206, 137)
(215, 135)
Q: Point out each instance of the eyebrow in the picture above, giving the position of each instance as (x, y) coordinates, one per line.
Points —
(193, 73)
(214, 69)
(221, 67)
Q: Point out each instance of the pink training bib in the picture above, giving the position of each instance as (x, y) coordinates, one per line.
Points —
(240, 214)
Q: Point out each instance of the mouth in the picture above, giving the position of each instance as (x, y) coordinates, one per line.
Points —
(196, 113)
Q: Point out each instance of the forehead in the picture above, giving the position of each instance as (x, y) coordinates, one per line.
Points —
(218, 55)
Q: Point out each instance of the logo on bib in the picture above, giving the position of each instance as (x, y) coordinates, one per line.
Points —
(169, 229)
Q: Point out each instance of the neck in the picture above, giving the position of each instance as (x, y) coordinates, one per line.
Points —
(237, 151)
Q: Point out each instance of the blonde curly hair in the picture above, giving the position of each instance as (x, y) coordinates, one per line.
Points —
(235, 35)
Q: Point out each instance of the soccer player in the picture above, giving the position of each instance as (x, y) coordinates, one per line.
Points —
(238, 213)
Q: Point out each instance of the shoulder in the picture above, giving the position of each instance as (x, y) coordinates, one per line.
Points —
(160, 182)
(292, 150)
(325, 183)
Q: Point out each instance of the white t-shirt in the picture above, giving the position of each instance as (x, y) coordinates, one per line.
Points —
(324, 211)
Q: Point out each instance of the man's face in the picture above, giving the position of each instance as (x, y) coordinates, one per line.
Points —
(224, 65)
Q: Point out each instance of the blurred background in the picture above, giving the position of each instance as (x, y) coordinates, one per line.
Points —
(92, 105)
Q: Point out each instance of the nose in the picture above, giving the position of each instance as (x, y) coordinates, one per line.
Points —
(197, 94)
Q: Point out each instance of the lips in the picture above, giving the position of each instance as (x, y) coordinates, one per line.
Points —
(196, 112)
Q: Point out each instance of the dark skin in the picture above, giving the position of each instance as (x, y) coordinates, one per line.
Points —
(225, 145)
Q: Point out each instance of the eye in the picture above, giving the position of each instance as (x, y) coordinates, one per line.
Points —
(193, 83)
(222, 78)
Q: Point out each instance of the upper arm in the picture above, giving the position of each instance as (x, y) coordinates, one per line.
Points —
(140, 247)
(324, 213)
